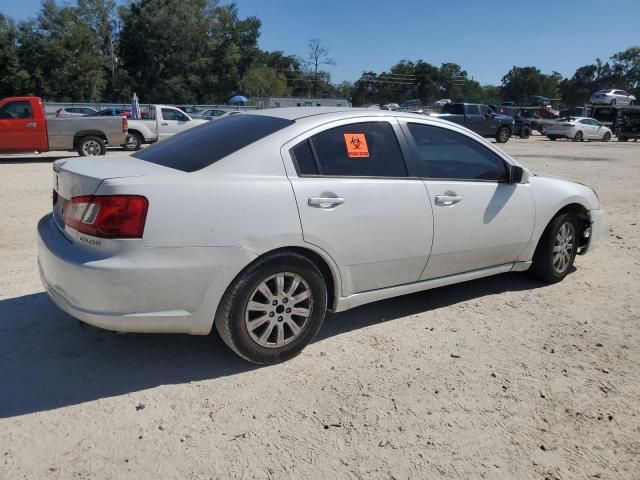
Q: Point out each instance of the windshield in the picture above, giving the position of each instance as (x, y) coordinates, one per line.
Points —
(199, 147)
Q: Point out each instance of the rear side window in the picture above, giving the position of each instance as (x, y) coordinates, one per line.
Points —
(368, 149)
(445, 154)
(453, 108)
(204, 145)
(16, 110)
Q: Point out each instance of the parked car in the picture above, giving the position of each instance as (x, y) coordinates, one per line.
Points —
(308, 210)
(577, 129)
(112, 112)
(605, 114)
(158, 122)
(216, 114)
(24, 127)
(628, 123)
(481, 119)
(611, 96)
(193, 111)
(75, 111)
(539, 116)
(522, 126)
(442, 102)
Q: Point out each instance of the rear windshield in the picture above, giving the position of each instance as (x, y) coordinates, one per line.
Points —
(204, 145)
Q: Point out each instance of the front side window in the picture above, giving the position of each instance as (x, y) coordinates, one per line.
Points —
(445, 154)
(368, 149)
(170, 114)
(16, 110)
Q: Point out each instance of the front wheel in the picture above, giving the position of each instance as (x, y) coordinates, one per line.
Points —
(503, 135)
(556, 250)
(133, 142)
(273, 309)
(91, 147)
(525, 132)
(606, 137)
(552, 138)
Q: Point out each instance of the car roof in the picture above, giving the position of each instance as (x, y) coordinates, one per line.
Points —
(336, 113)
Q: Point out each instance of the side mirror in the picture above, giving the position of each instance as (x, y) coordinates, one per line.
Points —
(516, 174)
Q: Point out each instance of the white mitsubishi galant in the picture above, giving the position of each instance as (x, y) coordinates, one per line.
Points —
(259, 223)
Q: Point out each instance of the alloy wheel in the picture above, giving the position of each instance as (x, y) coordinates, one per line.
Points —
(563, 247)
(279, 309)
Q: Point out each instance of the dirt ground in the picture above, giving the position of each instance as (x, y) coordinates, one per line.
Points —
(500, 378)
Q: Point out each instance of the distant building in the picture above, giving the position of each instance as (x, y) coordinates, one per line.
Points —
(281, 102)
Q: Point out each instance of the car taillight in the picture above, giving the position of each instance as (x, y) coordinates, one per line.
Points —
(566, 125)
(108, 216)
(58, 112)
(125, 125)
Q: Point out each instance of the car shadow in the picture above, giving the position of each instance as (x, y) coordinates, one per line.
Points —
(49, 360)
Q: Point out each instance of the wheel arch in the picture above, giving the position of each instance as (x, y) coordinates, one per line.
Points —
(577, 209)
(82, 134)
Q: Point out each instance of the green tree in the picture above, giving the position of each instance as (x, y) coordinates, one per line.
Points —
(187, 50)
(13, 79)
(62, 55)
(262, 81)
(521, 82)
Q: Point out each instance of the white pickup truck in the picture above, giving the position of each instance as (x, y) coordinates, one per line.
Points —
(158, 122)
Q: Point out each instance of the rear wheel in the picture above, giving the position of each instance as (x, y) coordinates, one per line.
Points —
(273, 309)
(91, 146)
(622, 139)
(557, 249)
(606, 137)
(553, 138)
(578, 137)
(525, 132)
(503, 135)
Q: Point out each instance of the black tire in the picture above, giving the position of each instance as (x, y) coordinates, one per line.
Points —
(230, 318)
(91, 147)
(552, 138)
(503, 134)
(578, 137)
(525, 132)
(134, 142)
(606, 137)
(542, 266)
(623, 139)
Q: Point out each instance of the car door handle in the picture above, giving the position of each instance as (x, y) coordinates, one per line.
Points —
(325, 202)
(31, 125)
(448, 200)
(165, 124)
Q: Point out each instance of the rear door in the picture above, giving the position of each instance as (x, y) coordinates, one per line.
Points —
(480, 220)
(19, 130)
(359, 203)
(474, 120)
(172, 122)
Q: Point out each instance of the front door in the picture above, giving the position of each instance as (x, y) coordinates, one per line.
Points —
(480, 219)
(173, 121)
(20, 131)
(358, 203)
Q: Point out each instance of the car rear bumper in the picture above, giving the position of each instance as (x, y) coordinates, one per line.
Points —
(163, 290)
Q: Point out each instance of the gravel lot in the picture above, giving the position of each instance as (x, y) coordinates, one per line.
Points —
(497, 378)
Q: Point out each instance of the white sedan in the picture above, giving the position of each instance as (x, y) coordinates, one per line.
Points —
(611, 96)
(259, 223)
(577, 129)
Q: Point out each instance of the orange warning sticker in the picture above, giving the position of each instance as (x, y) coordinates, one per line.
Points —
(356, 145)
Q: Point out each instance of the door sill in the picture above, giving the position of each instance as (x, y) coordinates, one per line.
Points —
(357, 299)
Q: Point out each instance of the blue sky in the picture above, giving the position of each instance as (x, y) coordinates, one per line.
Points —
(484, 38)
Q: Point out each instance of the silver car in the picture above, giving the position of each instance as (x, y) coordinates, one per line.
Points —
(611, 96)
(75, 111)
(258, 224)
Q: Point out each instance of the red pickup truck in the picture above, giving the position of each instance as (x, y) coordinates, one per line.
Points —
(25, 128)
